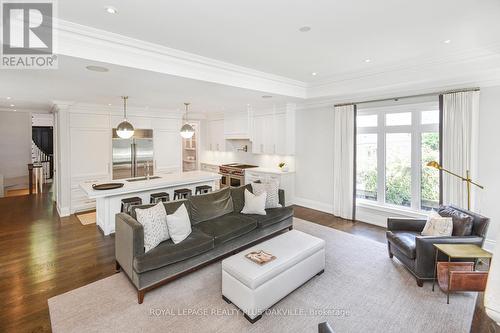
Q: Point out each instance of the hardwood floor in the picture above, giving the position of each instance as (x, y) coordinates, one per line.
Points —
(43, 255)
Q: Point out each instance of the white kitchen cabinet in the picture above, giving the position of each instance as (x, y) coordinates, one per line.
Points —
(167, 150)
(286, 181)
(274, 132)
(237, 125)
(215, 135)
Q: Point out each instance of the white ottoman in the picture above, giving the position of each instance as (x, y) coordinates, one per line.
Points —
(254, 288)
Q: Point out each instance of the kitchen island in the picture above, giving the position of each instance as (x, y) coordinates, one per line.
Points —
(108, 202)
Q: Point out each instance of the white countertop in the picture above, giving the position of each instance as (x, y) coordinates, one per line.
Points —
(165, 180)
(270, 170)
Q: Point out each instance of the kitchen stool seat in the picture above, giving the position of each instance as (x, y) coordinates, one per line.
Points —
(202, 189)
(182, 193)
(127, 204)
(160, 196)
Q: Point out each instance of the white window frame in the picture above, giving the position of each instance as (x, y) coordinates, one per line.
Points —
(416, 129)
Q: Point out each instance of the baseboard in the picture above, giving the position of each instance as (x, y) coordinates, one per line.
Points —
(489, 245)
(313, 204)
(63, 212)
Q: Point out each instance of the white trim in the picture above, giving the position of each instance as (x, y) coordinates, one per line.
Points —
(81, 41)
(489, 245)
(313, 204)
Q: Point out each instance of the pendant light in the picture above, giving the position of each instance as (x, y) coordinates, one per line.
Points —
(187, 130)
(125, 130)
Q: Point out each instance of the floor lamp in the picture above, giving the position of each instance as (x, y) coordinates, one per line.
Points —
(436, 165)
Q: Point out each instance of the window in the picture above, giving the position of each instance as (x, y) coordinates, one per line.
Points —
(394, 144)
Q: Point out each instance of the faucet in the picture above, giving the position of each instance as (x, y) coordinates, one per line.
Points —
(243, 148)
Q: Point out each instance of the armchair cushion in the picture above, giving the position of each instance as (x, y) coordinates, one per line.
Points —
(404, 241)
(462, 222)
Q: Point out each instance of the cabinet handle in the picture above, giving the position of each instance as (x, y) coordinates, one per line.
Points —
(217, 147)
(210, 146)
(261, 147)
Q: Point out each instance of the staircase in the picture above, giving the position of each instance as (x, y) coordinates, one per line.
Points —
(40, 157)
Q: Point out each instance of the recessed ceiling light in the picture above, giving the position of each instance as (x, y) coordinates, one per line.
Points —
(97, 69)
(7, 97)
(12, 105)
(267, 96)
(14, 110)
(447, 41)
(305, 28)
(368, 60)
(110, 104)
(314, 73)
(111, 10)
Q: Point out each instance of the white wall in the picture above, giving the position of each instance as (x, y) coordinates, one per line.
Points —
(489, 159)
(314, 158)
(314, 163)
(15, 144)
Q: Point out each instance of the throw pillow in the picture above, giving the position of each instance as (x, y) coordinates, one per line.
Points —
(254, 204)
(462, 223)
(271, 188)
(179, 225)
(154, 222)
(437, 225)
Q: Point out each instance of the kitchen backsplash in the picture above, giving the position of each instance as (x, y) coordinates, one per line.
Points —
(264, 161)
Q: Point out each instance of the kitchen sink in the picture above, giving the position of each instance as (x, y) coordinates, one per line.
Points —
(142, 178)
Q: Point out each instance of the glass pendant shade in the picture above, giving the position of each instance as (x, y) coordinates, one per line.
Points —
(187, 131)
(125, 130)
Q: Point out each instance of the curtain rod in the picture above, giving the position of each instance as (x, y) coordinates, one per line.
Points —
(409, 96)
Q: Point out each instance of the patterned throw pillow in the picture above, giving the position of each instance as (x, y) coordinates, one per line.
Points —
(437, 225)
(271, 188)
(154, 221)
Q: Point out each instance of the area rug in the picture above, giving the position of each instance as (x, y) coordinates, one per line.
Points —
(362, 290)
(87, 218)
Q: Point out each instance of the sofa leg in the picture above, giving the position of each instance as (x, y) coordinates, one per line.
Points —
(290, 227)
(140, 296)
(389, 250)
(117, 266)
(252, 321)
(420, 282)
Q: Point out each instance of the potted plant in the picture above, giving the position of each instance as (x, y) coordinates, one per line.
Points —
(283, 167)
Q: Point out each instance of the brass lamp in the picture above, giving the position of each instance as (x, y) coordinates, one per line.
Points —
(436, 165)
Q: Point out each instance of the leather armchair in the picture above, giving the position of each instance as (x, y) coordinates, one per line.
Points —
(417, 252)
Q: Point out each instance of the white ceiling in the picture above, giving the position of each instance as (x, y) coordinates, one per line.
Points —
(264, 35)
(37, 89)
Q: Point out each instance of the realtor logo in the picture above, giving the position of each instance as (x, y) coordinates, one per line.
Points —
(28, 35)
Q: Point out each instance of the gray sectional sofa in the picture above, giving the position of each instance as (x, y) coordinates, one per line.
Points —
(218, 230)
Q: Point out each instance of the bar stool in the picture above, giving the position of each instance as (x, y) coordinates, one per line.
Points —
(202, 189)
(182, 193)
(160, 196)
(127, 204)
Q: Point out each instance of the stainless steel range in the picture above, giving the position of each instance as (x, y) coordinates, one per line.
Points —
(233, 174)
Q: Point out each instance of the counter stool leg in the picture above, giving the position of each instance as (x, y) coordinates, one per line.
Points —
(435, 269)
(449, 280)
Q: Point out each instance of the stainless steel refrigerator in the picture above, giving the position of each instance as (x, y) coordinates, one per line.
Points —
(130, 156)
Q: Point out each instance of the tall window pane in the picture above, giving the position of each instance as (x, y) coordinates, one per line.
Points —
(398, 169)
(366, 166)
(430, 176)
(430, 117)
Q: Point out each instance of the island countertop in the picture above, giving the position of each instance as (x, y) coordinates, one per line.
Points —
(165, 180)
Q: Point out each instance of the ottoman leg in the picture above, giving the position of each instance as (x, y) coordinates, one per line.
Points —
(226, 299)
(252, 321)
(322, 271)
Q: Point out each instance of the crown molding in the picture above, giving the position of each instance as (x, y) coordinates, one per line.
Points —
(474, 66)
(81, 41)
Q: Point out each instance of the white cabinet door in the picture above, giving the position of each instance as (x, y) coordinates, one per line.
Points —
(216, 140)
(258, 135)
(269, 135)
(167, 151)
(280, 134)
(90, 152)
